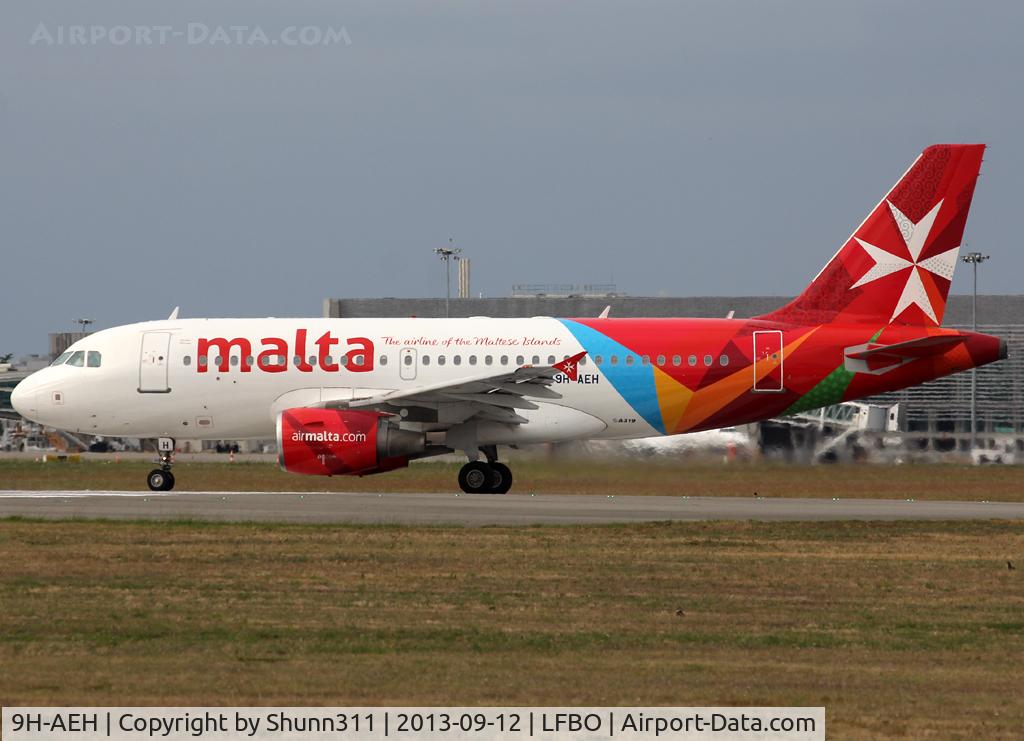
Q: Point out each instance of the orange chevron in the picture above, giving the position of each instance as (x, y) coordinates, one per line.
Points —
(673, 398)
(708, 400)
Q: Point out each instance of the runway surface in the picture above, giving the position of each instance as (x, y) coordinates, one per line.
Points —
(462, 509)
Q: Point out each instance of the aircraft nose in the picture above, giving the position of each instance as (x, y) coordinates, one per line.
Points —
(23, 399)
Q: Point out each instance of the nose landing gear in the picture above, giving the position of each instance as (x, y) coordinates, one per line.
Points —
(161, 479)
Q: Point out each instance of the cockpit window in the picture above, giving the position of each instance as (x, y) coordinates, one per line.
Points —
(61, 359)
(94, 359)
(77, 359)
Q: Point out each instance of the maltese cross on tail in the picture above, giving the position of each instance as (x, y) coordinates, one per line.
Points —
(570, 366)
(915, 236)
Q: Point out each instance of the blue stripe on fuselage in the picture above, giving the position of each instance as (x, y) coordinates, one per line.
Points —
(635, 383)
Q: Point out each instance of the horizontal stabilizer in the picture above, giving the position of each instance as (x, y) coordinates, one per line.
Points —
(875, 358)
(914, 349)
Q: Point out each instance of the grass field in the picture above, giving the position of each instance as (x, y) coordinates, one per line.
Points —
(645, 476)
(899, 629)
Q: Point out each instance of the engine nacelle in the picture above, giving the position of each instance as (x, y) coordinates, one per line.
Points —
(338, 442)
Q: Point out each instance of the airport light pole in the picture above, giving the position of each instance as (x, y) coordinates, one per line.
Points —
(974, 259)
(447, 254)
(83, 323)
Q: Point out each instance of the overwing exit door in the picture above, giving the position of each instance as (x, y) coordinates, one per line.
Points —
(407, 363)
(153, 363)
(768, 360)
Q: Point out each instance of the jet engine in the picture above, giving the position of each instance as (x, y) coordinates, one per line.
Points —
(338, 442)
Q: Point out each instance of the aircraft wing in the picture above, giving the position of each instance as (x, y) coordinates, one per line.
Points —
(493, 396)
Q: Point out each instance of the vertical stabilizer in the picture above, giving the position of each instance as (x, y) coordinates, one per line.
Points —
(896, 268)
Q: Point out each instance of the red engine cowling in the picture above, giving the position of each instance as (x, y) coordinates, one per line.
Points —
(337, 442)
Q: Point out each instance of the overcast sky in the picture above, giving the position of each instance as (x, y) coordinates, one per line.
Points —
(678, 148)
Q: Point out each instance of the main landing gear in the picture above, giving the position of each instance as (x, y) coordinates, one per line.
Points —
(161, 479)
(492, 477)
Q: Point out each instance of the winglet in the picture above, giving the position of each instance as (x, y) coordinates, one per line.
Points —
(570, 366)
(604, 314)
(174, 314)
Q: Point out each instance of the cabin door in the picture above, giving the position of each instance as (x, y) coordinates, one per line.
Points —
(153, 363)
(768, 361)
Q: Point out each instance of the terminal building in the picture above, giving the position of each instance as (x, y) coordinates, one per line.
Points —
(939, 410)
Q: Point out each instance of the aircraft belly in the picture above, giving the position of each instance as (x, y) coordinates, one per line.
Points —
(620, 420)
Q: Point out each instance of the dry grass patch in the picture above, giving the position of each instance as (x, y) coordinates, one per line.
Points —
(898, 628)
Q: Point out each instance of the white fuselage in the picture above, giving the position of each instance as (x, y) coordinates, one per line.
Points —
(188, 378)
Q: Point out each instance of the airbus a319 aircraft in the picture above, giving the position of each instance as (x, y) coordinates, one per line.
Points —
(363, 396)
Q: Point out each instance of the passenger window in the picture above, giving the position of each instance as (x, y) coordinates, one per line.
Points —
(692, 360)
(661, 360)
(646, 360)
(407, 360)
(441, 360)
(343, 360)
(457, 360)
(723, 360)
(677, 360)
(536, 360)
(472, 359)
(328, 360)
(488, 360)
(614, 360)
(77, 359)
(504, 359)
(383, 359)
(94, 359)
(708, 360)
(520, 360)
(426, 360)
(551, 359)
(359, 360)
(629, 360)
(187, 360)
(598, 359)
(217, 361)
(234, 360)
(249, 361)
(583, 360)
(297, 360)
(312, 360)
(61, 359)
(203, 360)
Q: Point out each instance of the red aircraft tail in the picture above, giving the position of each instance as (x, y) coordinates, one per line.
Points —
(897, 266)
